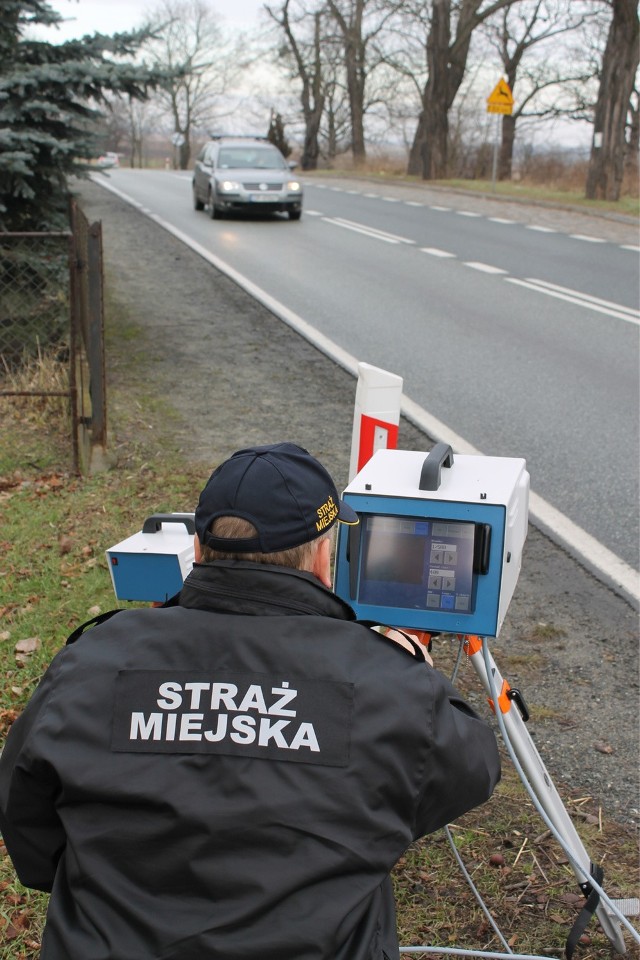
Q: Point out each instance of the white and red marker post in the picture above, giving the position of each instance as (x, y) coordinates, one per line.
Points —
(376, 415)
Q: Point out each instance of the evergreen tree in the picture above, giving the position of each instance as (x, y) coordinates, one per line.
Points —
(50, 95)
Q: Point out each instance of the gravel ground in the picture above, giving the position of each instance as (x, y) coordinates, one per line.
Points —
(235, 375)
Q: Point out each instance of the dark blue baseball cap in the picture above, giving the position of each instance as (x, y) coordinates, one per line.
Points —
(281, 489)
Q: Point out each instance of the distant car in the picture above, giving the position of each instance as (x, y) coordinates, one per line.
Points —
(108, 160)
(245, 174)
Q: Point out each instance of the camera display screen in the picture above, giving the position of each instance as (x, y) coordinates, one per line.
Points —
(417, 563)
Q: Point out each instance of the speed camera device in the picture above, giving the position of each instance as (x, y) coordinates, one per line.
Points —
(439, 543)
(151, 565)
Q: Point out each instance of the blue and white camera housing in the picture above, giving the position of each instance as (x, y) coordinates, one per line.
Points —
(152, 564)
(439, 543)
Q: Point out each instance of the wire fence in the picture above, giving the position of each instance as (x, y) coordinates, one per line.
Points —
(51, 305)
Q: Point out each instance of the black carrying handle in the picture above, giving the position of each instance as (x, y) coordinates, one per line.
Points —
(154, 523)
(440, 456)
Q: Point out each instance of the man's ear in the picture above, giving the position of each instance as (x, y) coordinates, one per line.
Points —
(197, 549)
(322, 562)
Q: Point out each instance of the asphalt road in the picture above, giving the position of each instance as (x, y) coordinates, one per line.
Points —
(520, 337)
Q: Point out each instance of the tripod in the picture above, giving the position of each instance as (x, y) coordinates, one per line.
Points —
(515, 732)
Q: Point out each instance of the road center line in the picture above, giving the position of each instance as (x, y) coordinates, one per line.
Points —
(580, 299)
(583, 236)
(435, 252)
(368, 231)
(483, 267)
(635, 314)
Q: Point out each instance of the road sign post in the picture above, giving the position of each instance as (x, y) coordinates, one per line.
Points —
(500, 101)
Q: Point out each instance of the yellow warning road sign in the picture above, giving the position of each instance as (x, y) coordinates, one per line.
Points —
(501, 99)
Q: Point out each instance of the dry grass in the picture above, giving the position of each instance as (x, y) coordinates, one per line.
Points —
(547, 178)
(25, 421)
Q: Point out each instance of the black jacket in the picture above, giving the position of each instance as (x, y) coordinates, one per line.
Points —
(233, 777)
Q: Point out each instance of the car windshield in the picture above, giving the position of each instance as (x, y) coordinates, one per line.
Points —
(250, 158)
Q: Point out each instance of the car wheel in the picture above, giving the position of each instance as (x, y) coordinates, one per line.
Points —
(295, 214)
(197, 204)
(214, 212)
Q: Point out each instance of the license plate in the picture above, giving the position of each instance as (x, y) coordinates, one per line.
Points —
(261, 197)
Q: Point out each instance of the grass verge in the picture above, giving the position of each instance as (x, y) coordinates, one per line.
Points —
(523, 191)
(53, 576)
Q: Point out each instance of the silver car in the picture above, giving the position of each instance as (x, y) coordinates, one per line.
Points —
(245, 174)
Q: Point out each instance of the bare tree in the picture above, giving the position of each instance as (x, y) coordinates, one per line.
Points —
(305, 48)
(192, 47)
(514, 33)
(617, 84)
(447, 27)
(360, 23)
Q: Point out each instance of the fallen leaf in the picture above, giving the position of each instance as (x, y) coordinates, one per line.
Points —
(28, 645)
(65, 545)
(603, 747)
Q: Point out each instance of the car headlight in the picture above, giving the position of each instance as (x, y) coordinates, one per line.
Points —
(228, 186)
(294, 186)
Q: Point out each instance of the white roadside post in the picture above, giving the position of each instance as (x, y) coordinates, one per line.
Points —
(376, 415)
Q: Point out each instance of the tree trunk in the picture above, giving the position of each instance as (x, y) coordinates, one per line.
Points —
(355, 69)
(356, 101)
(437, 96)
(185, 154)
(435, 146)
(313, 98)
(311, 147)
(505, 161)
(619, 66)
(414, 168)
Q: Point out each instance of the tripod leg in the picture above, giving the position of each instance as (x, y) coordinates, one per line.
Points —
(540, 780)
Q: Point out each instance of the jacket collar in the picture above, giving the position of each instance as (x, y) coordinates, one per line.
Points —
(257, 589)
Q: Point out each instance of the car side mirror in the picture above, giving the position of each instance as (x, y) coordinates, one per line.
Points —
(292, 165)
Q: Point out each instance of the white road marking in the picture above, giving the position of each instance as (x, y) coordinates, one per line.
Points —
(435, 252)
(534, 226)
(368, 231)
(629, 246)
(500, 220)
(390, 199)
(413, 203)
(468, 213)
(616, 310)
(484, 267)
(441, 209)
(594, 555)
(582, 236)
(313, 213)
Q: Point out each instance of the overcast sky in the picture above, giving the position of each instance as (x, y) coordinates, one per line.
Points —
(116, 16)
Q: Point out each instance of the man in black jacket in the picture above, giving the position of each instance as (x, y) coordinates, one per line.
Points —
(235, 775)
